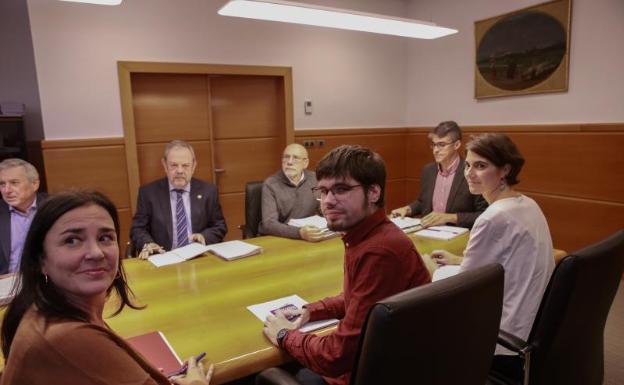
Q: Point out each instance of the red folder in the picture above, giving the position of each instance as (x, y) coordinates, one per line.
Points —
(155, 348)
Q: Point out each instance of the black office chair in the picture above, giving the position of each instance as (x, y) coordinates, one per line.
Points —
(565, 345)
(443, 333)
(253, 209)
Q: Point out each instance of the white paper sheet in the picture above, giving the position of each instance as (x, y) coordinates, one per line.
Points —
(262, 310)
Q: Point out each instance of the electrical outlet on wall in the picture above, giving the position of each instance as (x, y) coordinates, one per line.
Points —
(307, 106)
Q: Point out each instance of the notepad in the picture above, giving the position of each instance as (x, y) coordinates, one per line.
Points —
(6, 288)
(232, 250)
(155, 348)
(442, 232)
(262, 311)
(178, 255)
(407, 224)
(317, 221)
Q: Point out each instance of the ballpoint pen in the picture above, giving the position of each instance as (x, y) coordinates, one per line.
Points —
(184, 367)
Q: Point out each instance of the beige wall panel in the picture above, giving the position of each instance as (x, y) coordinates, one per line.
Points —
(150, 166)
(170, 106)
(233, 206)
(586, 165)
(100, 168)
(576, 223)
(247, 106)
(418, 154)
(391, 147)
(244, 160)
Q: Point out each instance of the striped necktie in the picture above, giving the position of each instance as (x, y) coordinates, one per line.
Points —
(181, 223)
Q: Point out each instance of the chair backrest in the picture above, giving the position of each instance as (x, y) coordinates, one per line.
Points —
(567, 334)
(253, 209)
(437, 334)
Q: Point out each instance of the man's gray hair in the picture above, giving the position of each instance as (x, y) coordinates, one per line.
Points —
(29, 169)
(178, 144)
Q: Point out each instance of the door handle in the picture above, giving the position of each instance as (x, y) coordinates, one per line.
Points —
(219, 170)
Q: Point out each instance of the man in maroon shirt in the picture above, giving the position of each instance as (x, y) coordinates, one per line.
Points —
(379, 261)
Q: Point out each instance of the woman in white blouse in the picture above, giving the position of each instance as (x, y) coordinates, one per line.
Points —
(512, 231)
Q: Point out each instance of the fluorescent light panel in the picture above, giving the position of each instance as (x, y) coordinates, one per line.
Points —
(98, 2)
(309, 14)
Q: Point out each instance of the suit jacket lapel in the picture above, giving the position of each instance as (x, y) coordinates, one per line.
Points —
(197, 200)
(457, 181)
(165, 208)
(5, 231)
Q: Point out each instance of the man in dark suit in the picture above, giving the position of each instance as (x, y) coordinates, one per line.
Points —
(178, 209)
(19, 182)
(444, 196)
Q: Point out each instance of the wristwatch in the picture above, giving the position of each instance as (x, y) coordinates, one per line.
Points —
(281, 334)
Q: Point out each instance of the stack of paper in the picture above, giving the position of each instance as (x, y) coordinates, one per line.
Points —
(407, 224)
(442, 232)
(262, 311)
(234, 250)
(315, 220)
(227, 250)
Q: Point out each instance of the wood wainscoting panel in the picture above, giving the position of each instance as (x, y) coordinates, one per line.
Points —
(100, 168)
(125, 222)
(390, 146)
(233, 206)
(574, 164)
(150, 165)
(394, 194)
(170, 106)
(417, 154)
(242, 164)
(247, 107)
(576, 223)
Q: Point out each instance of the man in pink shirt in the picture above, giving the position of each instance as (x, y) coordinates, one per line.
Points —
(444, 196)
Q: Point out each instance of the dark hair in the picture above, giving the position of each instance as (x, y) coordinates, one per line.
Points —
(31, 286)
(357, 162)
(447, 128)
(500, 150)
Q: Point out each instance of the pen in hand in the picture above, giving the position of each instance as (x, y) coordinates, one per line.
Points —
(184, 367)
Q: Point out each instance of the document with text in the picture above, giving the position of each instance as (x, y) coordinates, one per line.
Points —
(229, 251)
(262, 311)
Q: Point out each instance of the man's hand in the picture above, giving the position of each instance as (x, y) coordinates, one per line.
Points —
(402, 212)
(195, 374)
(437, 219)
(443, 257)
(149, 249)
(197, 237)
(275, 323)
(311, 233)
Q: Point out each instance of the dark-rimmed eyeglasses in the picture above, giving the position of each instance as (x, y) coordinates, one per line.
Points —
(339, 190)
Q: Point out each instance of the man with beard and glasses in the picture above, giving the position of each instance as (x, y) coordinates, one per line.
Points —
(380, 261)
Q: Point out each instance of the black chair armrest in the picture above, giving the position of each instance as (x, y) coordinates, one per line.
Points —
(130, 252)
(275, 376)
(513, 343)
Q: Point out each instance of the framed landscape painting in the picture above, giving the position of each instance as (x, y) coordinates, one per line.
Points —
(523, 52)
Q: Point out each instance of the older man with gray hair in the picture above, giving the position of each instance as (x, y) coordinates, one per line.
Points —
(19, 182)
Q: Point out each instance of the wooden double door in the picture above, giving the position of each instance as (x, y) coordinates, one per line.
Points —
(238, 125)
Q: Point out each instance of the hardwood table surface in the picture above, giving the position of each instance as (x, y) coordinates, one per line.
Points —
(201, 305)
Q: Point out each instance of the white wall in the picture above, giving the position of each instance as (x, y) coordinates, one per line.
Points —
(354, 79)
(441, 77)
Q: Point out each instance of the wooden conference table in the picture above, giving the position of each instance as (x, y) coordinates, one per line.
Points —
(201, 305)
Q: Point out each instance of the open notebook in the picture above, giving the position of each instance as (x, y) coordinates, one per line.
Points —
(407, 224)
(314, 220)
(262, 310)
(227, 250)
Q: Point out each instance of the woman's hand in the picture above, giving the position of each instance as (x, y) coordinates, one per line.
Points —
(443, 257)
(195, 374)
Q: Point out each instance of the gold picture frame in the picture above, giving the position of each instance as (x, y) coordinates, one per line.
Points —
(523, 52)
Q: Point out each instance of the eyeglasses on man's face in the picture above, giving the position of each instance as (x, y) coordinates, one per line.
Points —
(339, 191)
(293, 158)
(440, 145)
